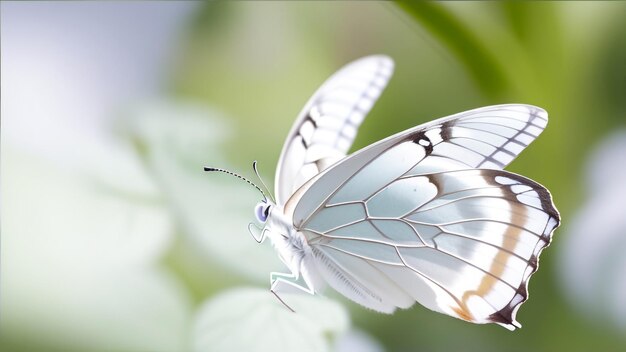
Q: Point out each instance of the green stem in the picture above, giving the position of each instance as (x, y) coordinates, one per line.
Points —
(450, 30)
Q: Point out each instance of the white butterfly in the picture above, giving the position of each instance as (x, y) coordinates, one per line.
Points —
(426, 215)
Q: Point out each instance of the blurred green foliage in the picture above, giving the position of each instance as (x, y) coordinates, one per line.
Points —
(259, 62)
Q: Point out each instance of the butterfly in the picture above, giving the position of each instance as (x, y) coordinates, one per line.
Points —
(427, 215)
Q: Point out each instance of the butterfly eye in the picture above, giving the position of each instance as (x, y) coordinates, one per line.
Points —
(262, 211)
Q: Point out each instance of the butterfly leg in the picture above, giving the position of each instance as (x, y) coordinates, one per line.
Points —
(282, 283)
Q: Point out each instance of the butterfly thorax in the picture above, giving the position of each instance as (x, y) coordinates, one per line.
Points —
(290, 244)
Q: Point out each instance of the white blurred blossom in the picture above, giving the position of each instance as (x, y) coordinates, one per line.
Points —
(593, 263)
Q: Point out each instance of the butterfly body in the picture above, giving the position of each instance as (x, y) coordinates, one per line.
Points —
(289, 244)
(427, 215)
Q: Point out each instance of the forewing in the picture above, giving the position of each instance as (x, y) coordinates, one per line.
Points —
(489, 137)
(463, 243)
(327, 125)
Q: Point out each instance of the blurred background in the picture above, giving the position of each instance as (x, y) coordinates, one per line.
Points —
(114, 239)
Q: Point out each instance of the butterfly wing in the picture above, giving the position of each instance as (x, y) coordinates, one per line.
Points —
(327, 125)
(411, 219)
(489, 137)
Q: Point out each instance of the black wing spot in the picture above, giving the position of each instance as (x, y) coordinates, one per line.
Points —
(422, 140)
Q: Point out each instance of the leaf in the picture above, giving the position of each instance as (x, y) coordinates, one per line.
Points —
(248, 319)
(357, 340)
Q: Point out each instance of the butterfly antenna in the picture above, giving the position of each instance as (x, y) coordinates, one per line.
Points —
(256, 171)
(236, 175)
